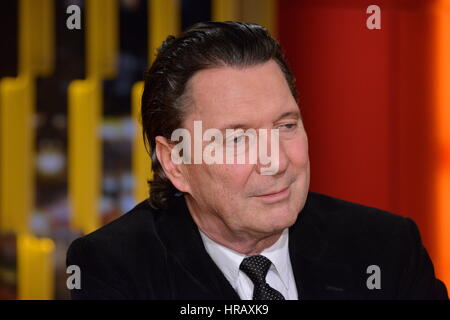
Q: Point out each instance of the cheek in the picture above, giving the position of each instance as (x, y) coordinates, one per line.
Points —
(297, 151)
(220, 180)
(233, 177)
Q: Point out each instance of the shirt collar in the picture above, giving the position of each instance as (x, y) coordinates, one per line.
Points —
(229, 260)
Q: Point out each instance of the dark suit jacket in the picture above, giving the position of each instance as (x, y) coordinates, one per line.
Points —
(159, 254)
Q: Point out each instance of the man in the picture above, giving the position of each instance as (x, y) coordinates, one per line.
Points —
(241, 230)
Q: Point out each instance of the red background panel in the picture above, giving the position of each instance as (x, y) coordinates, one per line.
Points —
(367, 101)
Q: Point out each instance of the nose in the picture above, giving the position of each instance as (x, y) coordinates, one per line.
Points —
(272, 157)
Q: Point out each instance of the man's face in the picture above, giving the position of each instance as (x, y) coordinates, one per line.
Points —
(229, 198)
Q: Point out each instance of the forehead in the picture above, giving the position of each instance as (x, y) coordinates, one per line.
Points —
(255, 93)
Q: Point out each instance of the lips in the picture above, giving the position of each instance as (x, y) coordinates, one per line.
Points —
(272, 193)
(274, 196)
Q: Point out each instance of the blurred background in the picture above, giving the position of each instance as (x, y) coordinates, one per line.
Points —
(376, 106)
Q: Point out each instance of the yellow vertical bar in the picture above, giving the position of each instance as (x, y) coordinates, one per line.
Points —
(46, 259)
(24, 261)
(85, 112)
(85, 109)
(25, 37)
(36, 37)
(101, 38)
(442, 121)
(111, 36)
(141, 161)
(17, 154)
(226, 10)
(262, 12)
(164, 20)
(35, 268)
(47, 43)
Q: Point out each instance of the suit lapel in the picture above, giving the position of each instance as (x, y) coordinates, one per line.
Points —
(316, 275)
(195, 275)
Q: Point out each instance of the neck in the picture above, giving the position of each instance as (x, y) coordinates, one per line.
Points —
(248, 247)
(245, 242)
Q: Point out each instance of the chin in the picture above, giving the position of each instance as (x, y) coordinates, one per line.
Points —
(280, 219)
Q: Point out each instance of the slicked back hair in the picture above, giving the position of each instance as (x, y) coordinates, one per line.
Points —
(202, 46)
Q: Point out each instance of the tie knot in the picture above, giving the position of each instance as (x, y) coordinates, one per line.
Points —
(256, 268)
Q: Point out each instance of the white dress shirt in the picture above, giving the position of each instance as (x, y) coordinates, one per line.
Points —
(280, 275)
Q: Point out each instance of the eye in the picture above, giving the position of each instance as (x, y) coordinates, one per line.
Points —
(235, 140)
(238, 139)
(289, 126)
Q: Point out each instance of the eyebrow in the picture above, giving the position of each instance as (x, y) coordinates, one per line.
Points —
(289, 114)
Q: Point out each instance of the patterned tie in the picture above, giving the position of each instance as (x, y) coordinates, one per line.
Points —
(256, 268)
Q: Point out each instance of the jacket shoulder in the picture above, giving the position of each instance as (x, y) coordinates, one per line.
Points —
(356, 232)
(112, 257)
(129, 228)
(360, 236)
(350, 217)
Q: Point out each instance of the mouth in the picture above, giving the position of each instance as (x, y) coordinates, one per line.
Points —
(275, 196)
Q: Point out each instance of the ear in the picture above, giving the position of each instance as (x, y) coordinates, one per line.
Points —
(174, 172)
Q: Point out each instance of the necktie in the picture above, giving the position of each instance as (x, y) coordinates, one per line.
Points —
(256, 268)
